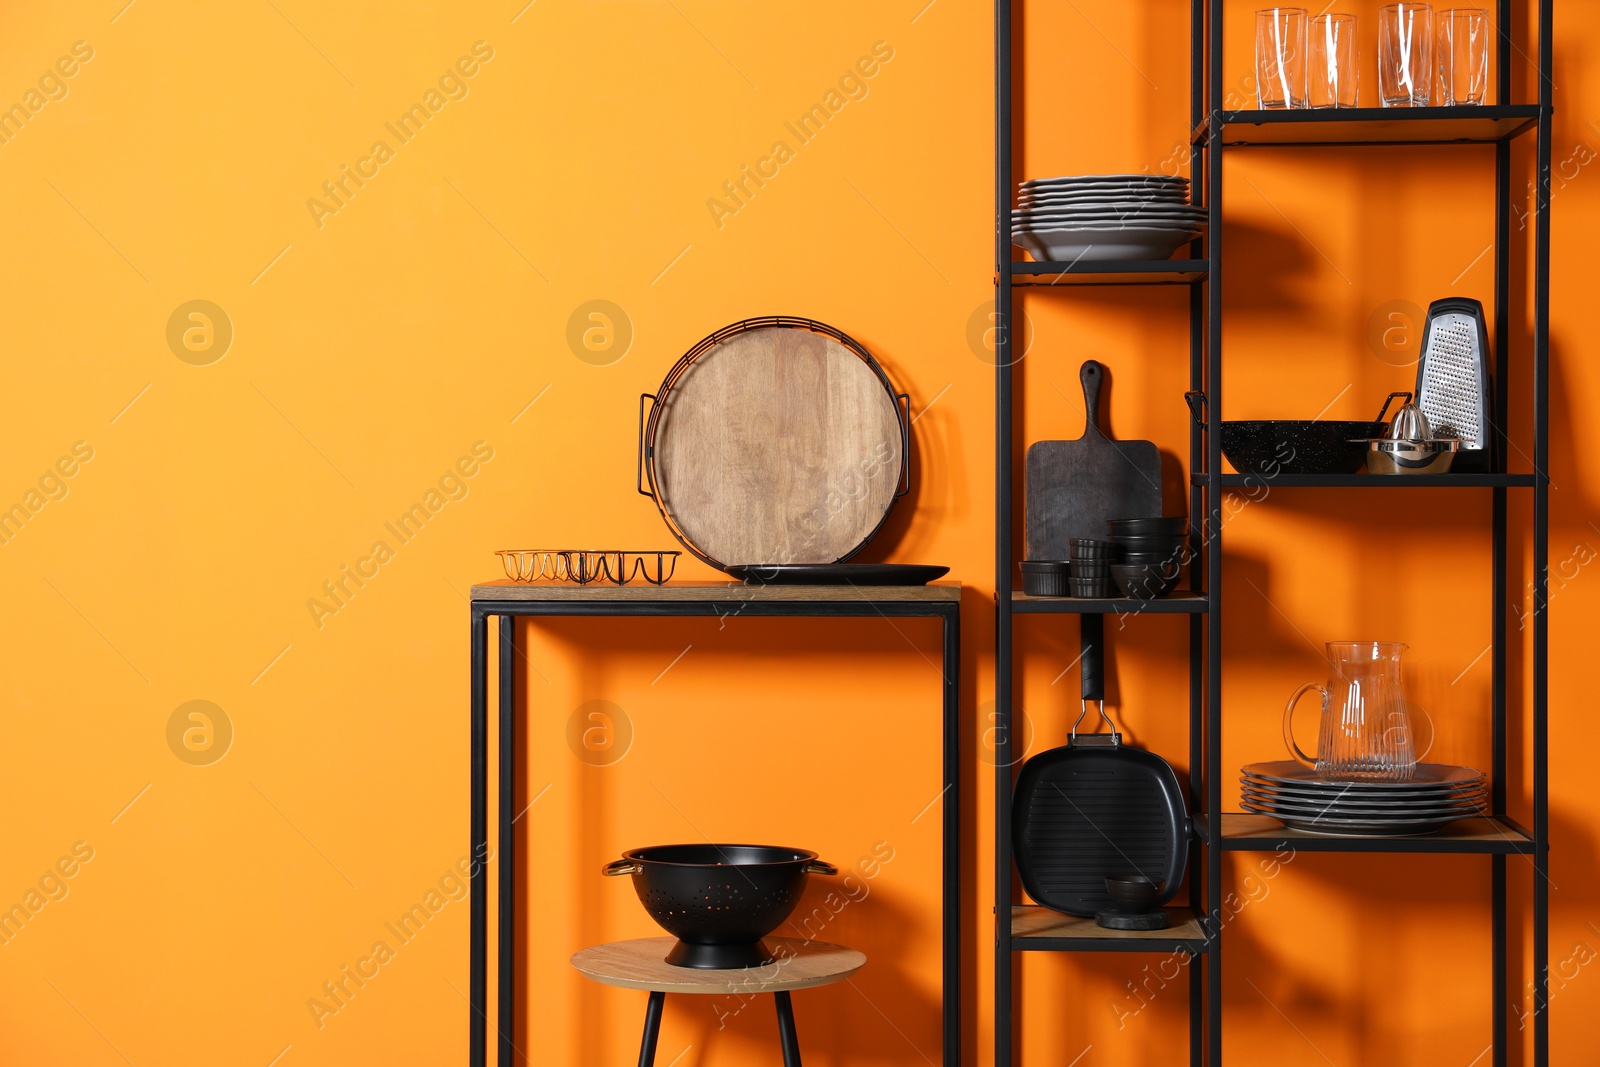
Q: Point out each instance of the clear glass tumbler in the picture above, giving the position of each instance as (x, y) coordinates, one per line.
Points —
(1333, 81)
(1281, 57)
(1463, 50)
(1405, 55)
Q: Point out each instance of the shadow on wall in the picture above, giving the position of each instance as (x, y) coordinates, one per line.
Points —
(1276, 261)
(897, 532)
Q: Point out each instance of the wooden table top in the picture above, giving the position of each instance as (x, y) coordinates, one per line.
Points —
(719, 592)
(642, 964)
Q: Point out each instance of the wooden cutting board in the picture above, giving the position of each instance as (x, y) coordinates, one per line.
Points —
(776, 442)
(1073, 487)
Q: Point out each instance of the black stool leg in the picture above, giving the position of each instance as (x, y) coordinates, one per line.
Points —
(786, 1034)
(652, 1028)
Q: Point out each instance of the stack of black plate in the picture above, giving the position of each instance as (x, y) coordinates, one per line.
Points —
(1432, 798)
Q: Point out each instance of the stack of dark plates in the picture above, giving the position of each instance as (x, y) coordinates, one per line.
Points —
(1432, 798)
(1098, 217)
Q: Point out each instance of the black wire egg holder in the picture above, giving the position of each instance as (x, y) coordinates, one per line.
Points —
(585, 566)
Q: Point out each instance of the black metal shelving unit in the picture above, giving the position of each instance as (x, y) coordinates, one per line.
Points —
(1198, 931)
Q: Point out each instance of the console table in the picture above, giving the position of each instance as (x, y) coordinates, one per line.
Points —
(507, 600)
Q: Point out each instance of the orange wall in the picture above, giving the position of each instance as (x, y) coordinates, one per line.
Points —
(376, 345)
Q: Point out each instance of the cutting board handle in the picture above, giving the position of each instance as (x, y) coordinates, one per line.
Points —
(1093, 376)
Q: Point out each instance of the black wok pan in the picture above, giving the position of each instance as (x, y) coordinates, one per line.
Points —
(1270, 447)
(1095, 809)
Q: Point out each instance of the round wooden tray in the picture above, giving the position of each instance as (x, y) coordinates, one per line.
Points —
(776, 440)
(641, 964)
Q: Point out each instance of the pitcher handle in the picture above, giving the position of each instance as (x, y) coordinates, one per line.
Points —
(1288, 722)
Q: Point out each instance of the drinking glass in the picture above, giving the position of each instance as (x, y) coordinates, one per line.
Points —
(1405, 55)
(1281, 57)
(1333, 61)
(1463, 50)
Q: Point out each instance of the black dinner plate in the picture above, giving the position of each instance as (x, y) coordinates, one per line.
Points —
(1339, 827)
(837, 573)
(1398, 813)
(1427, 776)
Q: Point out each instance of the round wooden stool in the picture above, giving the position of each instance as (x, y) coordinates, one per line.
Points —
(641, 964)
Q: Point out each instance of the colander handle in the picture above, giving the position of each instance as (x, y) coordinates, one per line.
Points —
(620, 867)
(821, 867)
(1197, 407)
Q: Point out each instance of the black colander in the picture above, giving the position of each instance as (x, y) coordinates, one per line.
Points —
(719, 900)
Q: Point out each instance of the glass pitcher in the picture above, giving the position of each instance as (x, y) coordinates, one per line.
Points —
(1366, 727)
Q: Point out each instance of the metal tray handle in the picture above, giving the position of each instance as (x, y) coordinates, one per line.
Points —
(905, 443)
(639, 475)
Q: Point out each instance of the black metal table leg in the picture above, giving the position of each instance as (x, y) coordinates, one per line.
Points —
(950, 662)
(786, 1035)
(477, 974)
(506, 897)
(652, 1028)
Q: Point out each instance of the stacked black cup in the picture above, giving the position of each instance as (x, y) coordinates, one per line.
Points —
(1151, 554)
(1091, 568)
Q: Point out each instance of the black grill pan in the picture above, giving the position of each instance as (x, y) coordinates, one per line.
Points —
(1097, 808)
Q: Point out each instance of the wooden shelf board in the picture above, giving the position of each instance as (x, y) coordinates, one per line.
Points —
(1038, 929)
(1261, 833)
(713, 592)
(1110, 272)
(1182, 602)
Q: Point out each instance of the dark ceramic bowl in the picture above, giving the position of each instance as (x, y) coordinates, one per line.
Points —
(1146, 581)
(1045, 577)
(1091, 588)
(1149, 542)
(1134, 893)
(1154, 550)
(1169, 524)
(1084, 548)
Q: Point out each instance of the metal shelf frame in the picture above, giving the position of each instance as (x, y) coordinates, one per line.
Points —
(1497, 126)
(508, 602)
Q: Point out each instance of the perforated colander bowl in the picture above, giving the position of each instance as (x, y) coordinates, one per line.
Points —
(719, 900)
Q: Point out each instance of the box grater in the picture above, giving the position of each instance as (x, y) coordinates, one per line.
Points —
(1453, 380)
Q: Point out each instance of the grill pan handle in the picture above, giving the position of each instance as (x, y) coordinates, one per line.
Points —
(639, 474)
(1091, 666)
(619, 867)
(905, 443)
(821, 867)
